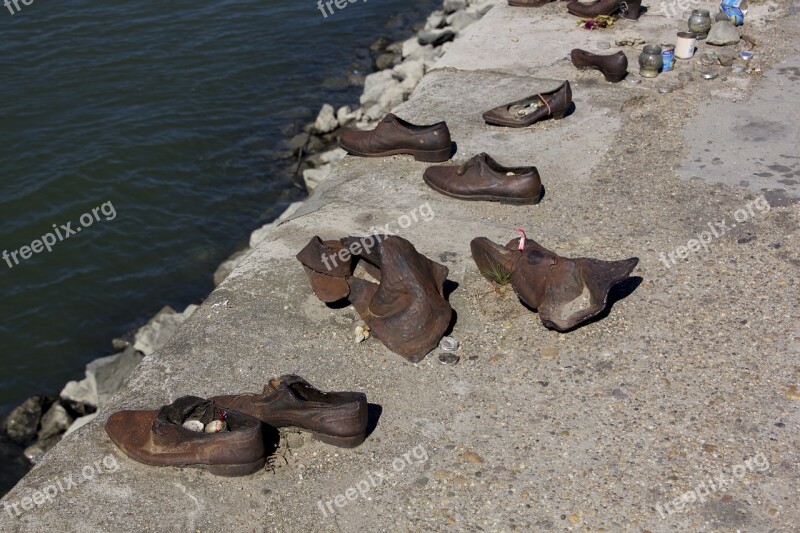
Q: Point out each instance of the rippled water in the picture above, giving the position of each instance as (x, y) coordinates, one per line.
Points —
(172, 112)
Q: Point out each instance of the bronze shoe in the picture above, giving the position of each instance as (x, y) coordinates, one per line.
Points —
(393, 136)
(614, 66)
(629, 9)
(532, 109)
(158, 438)
(404, 306)
(483, 178)
(565, 292)
(338, 418)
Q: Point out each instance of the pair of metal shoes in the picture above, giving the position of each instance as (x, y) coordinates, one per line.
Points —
(233, 435)
(400, 293)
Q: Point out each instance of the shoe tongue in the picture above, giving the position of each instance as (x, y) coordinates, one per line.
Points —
(188, 407)
(388, 118)
(479, 160)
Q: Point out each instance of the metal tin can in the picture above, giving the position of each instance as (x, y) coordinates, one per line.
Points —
(667, 57)
(684, 49)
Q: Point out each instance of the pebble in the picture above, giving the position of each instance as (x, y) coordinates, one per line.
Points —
(472, 457)
(548, 351)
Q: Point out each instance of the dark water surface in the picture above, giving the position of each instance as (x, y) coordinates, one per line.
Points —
(171, 115)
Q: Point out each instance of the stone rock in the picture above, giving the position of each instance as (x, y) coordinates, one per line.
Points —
(391, 97)
(375, 85)
(106, 375)
(225, 269)
(386, 60)
(333, 156)
(410, 47)
(345, 115)
(38, 449)
(459, 20)
(428, 54)
(480, 8)
(79, 423)
(314, 176)
(54, 422)
(110, 373)
(80, 394)
(723, 33)
(451, 6)
(315, 144)
(435, 37)
(155, 334)
(261, 233)
(374, 113)
(296, 143)
(22, 423)
(409, 73)
(396, 47)
(119, 344)
(379, 45)
(326, 120)
(435, 20)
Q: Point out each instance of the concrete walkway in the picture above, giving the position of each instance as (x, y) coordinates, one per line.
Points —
(634, 422)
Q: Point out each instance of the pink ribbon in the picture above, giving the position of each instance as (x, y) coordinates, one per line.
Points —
(521, 239)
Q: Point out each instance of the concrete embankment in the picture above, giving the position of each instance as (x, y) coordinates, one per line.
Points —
(691, 376)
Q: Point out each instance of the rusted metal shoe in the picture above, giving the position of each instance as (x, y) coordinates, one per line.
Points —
(483, 178)
(614, 66)
(337, 418)
(565, 292)
(395, 136)
(403, 303)
(527, 111)
(186, 433)
(630, 9)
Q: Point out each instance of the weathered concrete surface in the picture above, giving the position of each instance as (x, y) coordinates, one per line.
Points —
(688, 378)
(755, 144)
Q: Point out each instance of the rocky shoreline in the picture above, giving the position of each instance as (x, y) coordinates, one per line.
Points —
(34, 427)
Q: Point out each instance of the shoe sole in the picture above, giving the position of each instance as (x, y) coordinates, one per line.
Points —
(225, 470)
(611, 78)
(483, 197)
(427, 156)
(341, 442)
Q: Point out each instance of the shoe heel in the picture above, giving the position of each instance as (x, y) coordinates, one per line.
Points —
(558, 115)
(341, 442)
(236, 470)
(434, 156)
(633, 10)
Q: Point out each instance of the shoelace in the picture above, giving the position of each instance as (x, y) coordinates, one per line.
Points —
(549, 111)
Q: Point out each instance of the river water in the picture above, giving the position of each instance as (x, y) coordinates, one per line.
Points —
(165, 119)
